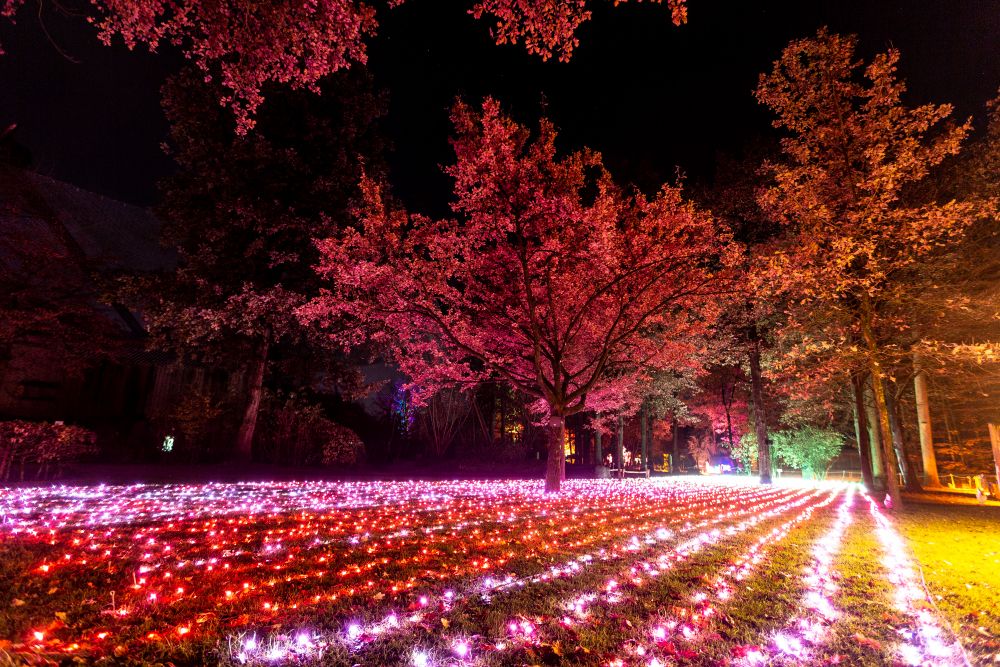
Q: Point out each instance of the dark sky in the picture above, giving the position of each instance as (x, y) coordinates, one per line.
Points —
(649, 95)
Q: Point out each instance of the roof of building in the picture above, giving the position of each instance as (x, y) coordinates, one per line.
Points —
(89, 234)
(112, 235)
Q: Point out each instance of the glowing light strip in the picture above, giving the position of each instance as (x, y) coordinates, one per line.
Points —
(809, 630)
(687, 628)
(523, 633)
(923, 642)
(360, 636)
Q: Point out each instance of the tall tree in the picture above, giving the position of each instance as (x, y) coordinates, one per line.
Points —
(852, 147)
(755, 308)
(548, 276)
(242, 213)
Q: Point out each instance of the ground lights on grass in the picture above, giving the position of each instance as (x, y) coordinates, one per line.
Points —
(753, 502)
(809, 629)
(923, 641)
(263, 553)
(765, 505)
(689, 623)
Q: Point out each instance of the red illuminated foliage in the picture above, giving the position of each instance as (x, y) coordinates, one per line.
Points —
(245, 45)
(549, 276)
(548, 27)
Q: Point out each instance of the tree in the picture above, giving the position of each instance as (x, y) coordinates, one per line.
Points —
(242, 212)
(549, 277)
(549, 28)
(442, 418)
(851, 149)
(808, 448)
(755, 309)
(247, 45)
(746, 451)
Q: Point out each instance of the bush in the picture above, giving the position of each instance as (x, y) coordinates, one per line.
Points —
(294, 431)
(48, 446)
(809, 449)
(342, 446)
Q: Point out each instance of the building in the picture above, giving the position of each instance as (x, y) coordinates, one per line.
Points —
(68, 351)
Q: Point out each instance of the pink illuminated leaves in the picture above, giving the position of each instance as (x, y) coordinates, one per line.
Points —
(248, 45)
(548, 28)
(568, 296)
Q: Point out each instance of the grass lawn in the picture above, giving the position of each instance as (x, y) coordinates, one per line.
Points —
(958, 548)
(634, 573)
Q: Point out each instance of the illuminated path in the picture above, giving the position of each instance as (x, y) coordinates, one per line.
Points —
(443, 573)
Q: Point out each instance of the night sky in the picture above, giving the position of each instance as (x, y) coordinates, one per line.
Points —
(651, 96)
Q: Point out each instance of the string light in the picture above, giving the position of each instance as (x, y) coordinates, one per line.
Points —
(388, 557)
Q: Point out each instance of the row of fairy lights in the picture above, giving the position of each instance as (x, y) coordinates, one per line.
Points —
(705, 602)
(634, 576)
(65, 517)
(924, 641)
(809, 629)
(305, 644)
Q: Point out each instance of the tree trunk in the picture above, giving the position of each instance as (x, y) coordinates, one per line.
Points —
(729, 420)
(910, 481)
(555, 457)
(649, 441)
(861, 431)
(759, 415)
(562, 457)
(924, 424)
(874, 439)
(995, 445)
(620, 448)
(885, 432)
(675, 459)
(244, 438)
(598, 451)
(642, 429)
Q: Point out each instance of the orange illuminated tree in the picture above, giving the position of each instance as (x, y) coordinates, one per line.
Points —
(852, 149)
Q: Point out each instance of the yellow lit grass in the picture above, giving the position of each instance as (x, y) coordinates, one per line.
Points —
(958, 548)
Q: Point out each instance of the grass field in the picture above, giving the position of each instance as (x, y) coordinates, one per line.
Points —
(958, 547)
(651, 573)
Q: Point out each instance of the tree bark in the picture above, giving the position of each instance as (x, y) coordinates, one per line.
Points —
(555, 459)
(910, 481)
(995, 445)
(759, 414)
(874, 439)
(885, 432)
(924, 424)
(620, 448)
(244, 437)
(642, 429)
(675, 459)
(861, 431)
